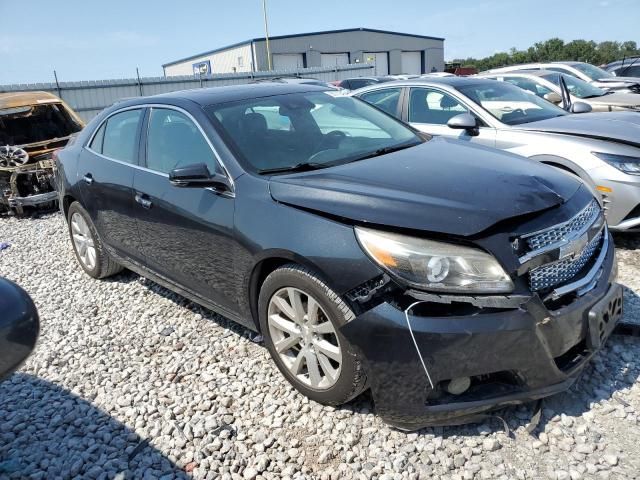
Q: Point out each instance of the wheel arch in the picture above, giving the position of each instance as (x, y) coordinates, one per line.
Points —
(566, 165)
(268, 262)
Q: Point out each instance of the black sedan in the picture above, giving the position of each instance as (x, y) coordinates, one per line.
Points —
(449, 279)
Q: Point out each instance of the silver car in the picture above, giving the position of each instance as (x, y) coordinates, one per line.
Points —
(584, 71)
(603, 149)
(546, 84)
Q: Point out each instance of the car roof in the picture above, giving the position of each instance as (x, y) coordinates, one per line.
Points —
(451, 81)
(23, 99)
(231, 93)
(520, 73)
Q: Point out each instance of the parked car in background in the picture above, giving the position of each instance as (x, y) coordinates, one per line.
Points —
(32, 126)
(359, 82)
(368, 255)
(584, 71)
(601, 148)
(295, 81)
(19, 326)
(547, 84)
(628, 67)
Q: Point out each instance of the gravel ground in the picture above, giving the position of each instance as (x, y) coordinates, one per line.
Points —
(132, 381)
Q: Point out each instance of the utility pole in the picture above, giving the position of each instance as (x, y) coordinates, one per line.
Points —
(266, 32)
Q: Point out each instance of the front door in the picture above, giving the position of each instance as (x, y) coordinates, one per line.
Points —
(187, 233)
(429, 110)
(107, 164)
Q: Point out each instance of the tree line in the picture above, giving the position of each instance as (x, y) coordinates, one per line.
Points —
(555, 49)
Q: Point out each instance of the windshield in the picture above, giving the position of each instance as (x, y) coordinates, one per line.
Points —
(594, 73)
(35, 123)
(510, 104)
(577, 88)
(315, 128)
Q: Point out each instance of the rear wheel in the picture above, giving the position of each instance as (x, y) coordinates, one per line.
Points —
(300, 318)
(89, 250)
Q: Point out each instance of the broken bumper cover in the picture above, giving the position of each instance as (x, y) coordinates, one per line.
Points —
(511, 355)
(33, 200)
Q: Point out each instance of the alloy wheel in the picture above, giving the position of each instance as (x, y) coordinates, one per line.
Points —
(304, 338)
(83, 241)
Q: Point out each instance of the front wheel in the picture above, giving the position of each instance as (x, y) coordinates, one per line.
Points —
(89, 250)
(300, 319)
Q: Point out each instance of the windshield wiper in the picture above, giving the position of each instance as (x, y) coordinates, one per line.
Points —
(299, 167)
(386, 150)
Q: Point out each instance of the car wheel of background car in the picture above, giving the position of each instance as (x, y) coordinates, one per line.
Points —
(300, 318)
(89, 250)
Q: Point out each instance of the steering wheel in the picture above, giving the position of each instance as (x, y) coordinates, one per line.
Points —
(519, 111)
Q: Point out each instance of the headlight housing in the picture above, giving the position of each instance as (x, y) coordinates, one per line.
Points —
(624, 163)
(431, 265)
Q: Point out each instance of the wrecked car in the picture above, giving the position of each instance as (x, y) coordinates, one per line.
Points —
(448, 279)
(32, 126)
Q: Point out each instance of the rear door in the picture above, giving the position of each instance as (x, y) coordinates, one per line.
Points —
(186, 232)
(107, 165)
(429, 109)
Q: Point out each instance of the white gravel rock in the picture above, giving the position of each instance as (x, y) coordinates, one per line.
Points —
(130, 380)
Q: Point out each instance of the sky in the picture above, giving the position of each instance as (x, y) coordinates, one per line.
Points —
(108, 39)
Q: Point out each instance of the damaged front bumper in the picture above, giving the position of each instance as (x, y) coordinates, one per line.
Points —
(29, 185)
(511, 353)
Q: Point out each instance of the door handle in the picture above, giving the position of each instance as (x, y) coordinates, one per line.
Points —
(88, 179)
(143, 200)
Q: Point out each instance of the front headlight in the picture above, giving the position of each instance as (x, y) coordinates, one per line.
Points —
(432, 265)
(624, 163)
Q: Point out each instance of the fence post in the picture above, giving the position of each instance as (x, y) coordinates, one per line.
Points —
(139, 82)
(55, 75)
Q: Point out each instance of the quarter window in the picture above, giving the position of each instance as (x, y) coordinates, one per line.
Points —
(120, 135)
(173, 140)
(98, 138)
(386, 100)
(432, 106)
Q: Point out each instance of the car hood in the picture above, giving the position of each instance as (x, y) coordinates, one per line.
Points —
(615, 99)
(442, 186)
(621, 127)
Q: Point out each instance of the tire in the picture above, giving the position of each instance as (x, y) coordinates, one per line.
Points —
(341, 381)
(103, 265)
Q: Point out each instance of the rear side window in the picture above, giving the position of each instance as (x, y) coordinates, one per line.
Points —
(120, 135)
(386, 100)
(98, 138)
(173, 141)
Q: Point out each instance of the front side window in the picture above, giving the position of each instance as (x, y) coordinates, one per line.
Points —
(510, 104)
(577, 88)
(120, 136)
(386, 100)
(529, 85)
(431, 106)
(173, 141)
(324, 130)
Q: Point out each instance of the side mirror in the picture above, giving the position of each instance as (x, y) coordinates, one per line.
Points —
(580, 107)
(19, 326)
(198, 175)
(464, 121)
(553, 97)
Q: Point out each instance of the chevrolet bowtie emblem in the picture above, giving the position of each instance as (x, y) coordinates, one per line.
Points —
(574, 248)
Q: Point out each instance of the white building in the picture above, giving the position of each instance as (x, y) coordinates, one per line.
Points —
(390, 53)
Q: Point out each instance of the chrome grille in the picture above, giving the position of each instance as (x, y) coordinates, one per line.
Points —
(559, 272)
(557, 233)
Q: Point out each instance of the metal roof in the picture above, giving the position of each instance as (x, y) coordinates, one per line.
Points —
(282, 37)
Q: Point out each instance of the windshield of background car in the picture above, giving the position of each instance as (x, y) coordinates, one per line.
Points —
(594, 73)
(510, 104)
(577, 88)
(315, 127)
(35, 123)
